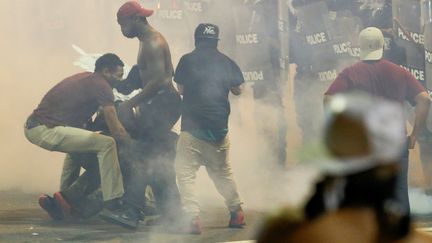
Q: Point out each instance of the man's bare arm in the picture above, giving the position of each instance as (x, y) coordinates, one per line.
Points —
(237, 90)
(421, 112)
(114, 125)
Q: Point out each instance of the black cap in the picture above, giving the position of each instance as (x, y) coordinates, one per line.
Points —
(207, 31)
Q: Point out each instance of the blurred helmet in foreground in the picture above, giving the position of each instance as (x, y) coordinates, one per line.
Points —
(363, 132)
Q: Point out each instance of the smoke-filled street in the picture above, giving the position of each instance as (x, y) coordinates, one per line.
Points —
(216, 121)
(21, 220)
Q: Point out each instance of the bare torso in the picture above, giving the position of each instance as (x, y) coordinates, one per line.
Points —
(154, 61)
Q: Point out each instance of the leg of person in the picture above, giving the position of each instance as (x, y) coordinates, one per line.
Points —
(164, 187)
(89, 181)
(137, 166)
(425, 146)
(70, 172)
(134, 197)
(71, 181)
(75, 140)
(402, 182)
(187, 163)
(134, 163)
(219, 170)
(83, 194)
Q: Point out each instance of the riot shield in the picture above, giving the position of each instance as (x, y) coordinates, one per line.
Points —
(169, 19)
(332, 41)
(409, 35)
(427, 21)
(209, 11)
(253, 43)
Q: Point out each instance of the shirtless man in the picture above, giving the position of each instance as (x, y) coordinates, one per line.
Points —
(154, 57)
(156, 72)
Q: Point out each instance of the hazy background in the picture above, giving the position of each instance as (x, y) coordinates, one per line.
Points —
(36, 47)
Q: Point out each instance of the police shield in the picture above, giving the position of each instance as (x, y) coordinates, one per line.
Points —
(253, 42)
(169, 19)
(209, 11)
(409, 34)
(344, 37)
(428, 54)
(313, 30)
(312, 19)
(427, 26)
(331, 41)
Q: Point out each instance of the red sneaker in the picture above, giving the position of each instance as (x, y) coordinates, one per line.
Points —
(195, 226)
(237, 219)
(50, 206)
(65, 206)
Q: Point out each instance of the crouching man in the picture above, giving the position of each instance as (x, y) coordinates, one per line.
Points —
(57, 124)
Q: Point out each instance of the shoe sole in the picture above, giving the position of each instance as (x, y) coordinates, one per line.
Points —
(236, 226)
(195, 232)
(47, 206)
(114, 219)
(65, 206)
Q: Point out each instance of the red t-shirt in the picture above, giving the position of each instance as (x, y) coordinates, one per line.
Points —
(73, 101)
(381, 78)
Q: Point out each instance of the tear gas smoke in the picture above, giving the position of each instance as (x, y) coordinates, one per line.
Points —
(37, 50)
(37, 53)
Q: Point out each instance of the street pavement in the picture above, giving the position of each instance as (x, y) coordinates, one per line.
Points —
(21, 220)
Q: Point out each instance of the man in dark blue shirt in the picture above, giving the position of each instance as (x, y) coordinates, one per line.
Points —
(205, 77)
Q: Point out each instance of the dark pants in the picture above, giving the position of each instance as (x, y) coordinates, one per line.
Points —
(154, 167)
(143, 163)
(402, 182)
(84, 194)
(147, 161)
(425, 145)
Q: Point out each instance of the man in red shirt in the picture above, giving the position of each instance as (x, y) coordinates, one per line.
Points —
(58, 124)
(384, 79)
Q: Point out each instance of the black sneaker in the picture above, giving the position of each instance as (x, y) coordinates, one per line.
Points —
(51, 206)
(126, 217)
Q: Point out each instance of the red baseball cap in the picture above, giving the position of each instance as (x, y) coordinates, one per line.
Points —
(131, 8)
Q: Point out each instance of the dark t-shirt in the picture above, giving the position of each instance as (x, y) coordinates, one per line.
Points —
(73, 101)
(380, 78)
(207, 76)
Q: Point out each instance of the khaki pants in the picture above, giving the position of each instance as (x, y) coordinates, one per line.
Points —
(191, 154)
(70, 172)
(75, 140)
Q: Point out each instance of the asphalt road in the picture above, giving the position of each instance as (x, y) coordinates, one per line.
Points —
(21, 220)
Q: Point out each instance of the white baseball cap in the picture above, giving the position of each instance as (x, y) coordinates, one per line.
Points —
(384, 123)
(371, 42)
